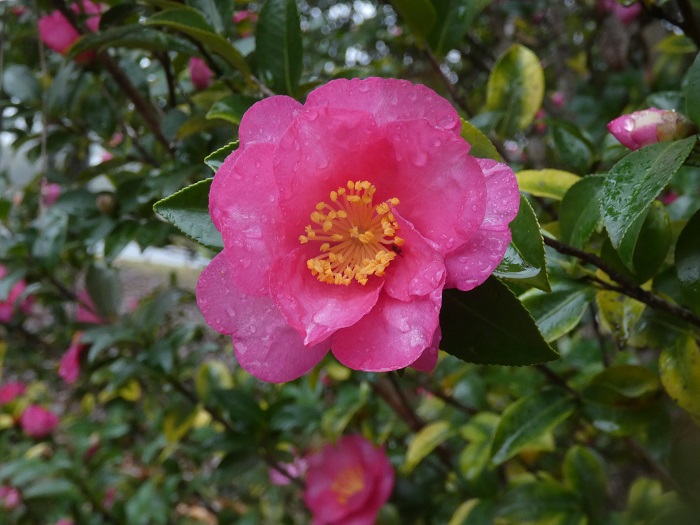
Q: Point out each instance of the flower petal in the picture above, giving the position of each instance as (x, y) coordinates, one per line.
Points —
(473, 262)
(264, 344)
(428, 359)
(267, 120)
(502, 195)
(315, 309)
(418, 269)
(388, 100)
(392, 336)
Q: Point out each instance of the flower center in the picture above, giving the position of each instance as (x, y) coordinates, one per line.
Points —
(357, 238)
(347, 483)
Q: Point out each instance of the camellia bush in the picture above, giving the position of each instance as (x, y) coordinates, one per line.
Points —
(407, 262)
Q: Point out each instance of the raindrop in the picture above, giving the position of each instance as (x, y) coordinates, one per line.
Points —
(446, 122)
(362, 87)
(420, 158)
(253, 329)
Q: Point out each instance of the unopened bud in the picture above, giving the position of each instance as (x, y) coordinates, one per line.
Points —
(650, 126)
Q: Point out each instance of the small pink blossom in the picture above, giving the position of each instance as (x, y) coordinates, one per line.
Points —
(59, 34)
(69, 368)
(558, 99)
(296, 469)
(7, 307)
(116, 139)
(11, 391)
(37, 421)
(343, 220)
(10, 497)
(669, 198)
(347, 483)
(244, 14)
(625, 14)
(50, 192)
(540, 126)
(106, 155)
(650, 126)
(64, 521)
(87, 311)
(109, 497)
(200, 73)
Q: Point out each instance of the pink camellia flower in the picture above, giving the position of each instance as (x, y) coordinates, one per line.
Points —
(7, 307)
(650, 126)
(64, 521)
(343, 219)
(625, 14)
(87, 311)
(59, 34)
(37, 421)
(69, 368)
(50, 192)
(347, 483)
(11, 391)
(200, 73)
(245, 19)
(295, 469)
(558, 99)
(10, 497)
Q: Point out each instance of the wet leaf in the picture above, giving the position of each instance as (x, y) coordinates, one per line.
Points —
(558, 312)
(548, 183)
(579, 214)
(419, 16)
(454, 20)
(688, 262)
(584, 473)
(278, 48)
(231, 108)
(482, 147)
(215, 159)
(679, 367)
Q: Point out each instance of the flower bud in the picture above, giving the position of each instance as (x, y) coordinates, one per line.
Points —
(200, 73)
(650, 126)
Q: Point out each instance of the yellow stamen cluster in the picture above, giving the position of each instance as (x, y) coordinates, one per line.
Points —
(357, 238)
(347, 483)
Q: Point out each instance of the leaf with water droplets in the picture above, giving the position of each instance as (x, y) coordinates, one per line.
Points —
(688, 262)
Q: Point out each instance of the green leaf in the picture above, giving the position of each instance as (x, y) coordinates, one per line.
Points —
(474, 512)
(190, 22)
(527, 419)
(558, 312)
(524, 260)
(583, 473)
(619, 314)
(516, 88)
(217, 158)
(59, 489)
(474, 458)
(133, 36)
(692, 91)
(482, 147)
(643, 250)
(424, 442)
(575, 149)
(688, 262)
(549, 183)
(188, 211)
(105, 290)
(210, 376)
(679, 367)
(537, 501)
(623, 386)
(489, 339)
(635, 181)
(454, 20)
(19, 81)
(231, 108)
(579, 213)
(419, 16)
(278, 46)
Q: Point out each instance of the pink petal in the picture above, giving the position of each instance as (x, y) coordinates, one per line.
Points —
(388, 100)
(428, 359)
(243, 206)
(56, 32)
(502, 195)
(392, 336)
(441, 187)
(315, 309)
(472, 263)
(418, 269)
(267, 120)
(264, 344)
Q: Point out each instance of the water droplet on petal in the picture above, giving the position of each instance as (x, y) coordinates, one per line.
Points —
(363, 87)
(420, 158)
(253, 329)
(446, 122)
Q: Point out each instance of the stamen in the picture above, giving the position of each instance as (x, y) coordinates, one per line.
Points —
(356, 237)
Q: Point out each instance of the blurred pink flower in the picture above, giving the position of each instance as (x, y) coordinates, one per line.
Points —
(59, 34)
(347, 483)
(10, 391)
(64, 521)
(244, 14)
(18, 10)
(9, 497)
(540, 126)
(69, 369)
(37, 421)
(116, 139)
(200, 73)
(50, 192)
(295, 469)
(650, 126)
(110, 495)
(558, 99)
(7, 307)
(625, 14)
(316, 259)
(106, 155)
(87, 311)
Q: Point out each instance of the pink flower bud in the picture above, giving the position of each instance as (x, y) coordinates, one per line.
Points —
(10, 391)
(9, 497)
(200, 73)
(69, 369)
(650, 126)
(37, 421)
(348, 482)
(558, 99)
(50, 192)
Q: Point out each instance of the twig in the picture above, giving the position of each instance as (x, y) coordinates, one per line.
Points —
(556, 379)
(165, 62)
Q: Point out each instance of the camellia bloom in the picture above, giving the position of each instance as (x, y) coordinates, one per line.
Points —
(625, 14)
(59, 34)
(347, 483)
(50, 192)
(11, 391)
(7, 307)
(37, 421)
(343, 219)
(10, 497)
(200, 73)
(650, 126)
(69, 368)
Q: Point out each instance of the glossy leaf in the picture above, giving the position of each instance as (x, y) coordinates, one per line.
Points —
(527, 419)
(688, 262)
(419, 15)
(643, 250)
(133, 36)
(623, 386)
(105, 290)
(425, 441)
(549, 183)
(558, 312)
(515, 88)
(474, 512)
(188, 210)
(679, 367)
(579, 214)
(539, 502)
(215, 159)
(482, 147)
(190, 22)
(524, 261)
(474, 458)
(278, 46)
(488, 339)
(574, 148)
(635, 181)
(692, 91)
(231, 108)
(454, 20)
(619, 314)
(584, 473)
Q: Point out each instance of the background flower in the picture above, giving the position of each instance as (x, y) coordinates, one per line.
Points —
(650, 126)
(200, 73)
(37, 421)
(7, 307)
(59, 34)
(69, 368)
(10, 391)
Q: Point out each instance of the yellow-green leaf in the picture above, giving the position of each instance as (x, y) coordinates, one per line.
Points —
(212, 375)
(482, 147)
(548, 183)
(425, 442)
(680, 374)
